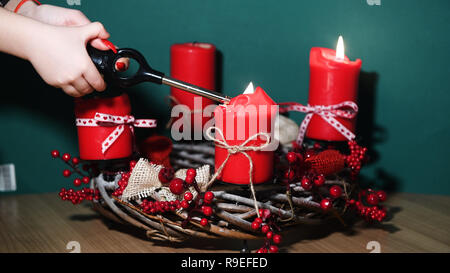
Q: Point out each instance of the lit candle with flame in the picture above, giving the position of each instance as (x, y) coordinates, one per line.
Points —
(333, 79)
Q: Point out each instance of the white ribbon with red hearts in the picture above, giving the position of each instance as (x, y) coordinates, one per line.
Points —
(326, 112)
(106, 120)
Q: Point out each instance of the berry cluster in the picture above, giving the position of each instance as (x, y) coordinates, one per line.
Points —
(73, 163)
(76, 197)
(266, 224)
(155, 207)
(200, 204)
(374, 212)
(356, 158)
(123, 182)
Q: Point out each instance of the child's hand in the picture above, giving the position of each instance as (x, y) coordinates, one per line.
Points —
(59, 56)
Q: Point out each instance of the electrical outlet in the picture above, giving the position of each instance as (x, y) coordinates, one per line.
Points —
(7, 178)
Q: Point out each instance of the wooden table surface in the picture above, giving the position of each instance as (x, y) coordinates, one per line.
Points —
(43, 223)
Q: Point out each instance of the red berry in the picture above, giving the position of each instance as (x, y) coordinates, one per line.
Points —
(176, 186)
(372, 199)
(273, 249)
(184, 204)
(77, 182)
(165, 175)
(75, 160)
(67, 173)
(208, 211)
(277, 239)
(326, 204)
(204, 222)
(335, 191)
(189, 179)
(255, 225)
(266, 213)
(191, 172)
(265, 228)
(86, 180)
(306, 184)
(381, 196)
(209, 196)
(291, 157)
(188, 196)
(310, 153)
(259, 220)
(66, 157)
(269, 235)
(289, 174)
(319, 180)
(132, 164)
(55, 153)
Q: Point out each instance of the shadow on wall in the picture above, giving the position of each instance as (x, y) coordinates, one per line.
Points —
(370, 134)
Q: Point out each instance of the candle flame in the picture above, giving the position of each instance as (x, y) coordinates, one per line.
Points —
(250, 89)
(340, 52)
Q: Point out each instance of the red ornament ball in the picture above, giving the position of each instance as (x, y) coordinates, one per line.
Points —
(67, 173)
(176, 186)
(55, 153)
(306, 184)
(188, 196)
(335, 191)
(372, 199)
(165, 175)
(326, 204)
(66, 157)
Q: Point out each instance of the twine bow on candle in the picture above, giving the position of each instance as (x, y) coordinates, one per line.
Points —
(106, 120)
(326, 112)
(234, 149)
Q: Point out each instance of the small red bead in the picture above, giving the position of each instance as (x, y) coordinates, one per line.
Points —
(67, 173)
(75, 160)
(55, 153)
(77, 182)
(306, 184)
(291, 157)
(66, 157)
(372, 199)
(184, 204)
(86, 180)
(277, 239)
(273, 249)
(381, 196)
(319, 180)
(208, 211)
(191, 172)
(176, 186)
(335, 191)
(188, 196)
(209, 196)
(204, 222)
(255, 225)
(326, 204)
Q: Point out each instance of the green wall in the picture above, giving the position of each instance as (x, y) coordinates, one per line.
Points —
(404, 94)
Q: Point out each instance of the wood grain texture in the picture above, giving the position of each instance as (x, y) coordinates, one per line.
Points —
(43, 223)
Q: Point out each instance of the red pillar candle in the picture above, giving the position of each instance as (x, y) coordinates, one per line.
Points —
(333, 79)
(237, 126)
(194, 63)
(90, 139)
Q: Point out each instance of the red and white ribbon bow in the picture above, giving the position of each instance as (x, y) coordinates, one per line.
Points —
(326, 112)
(106, 120)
